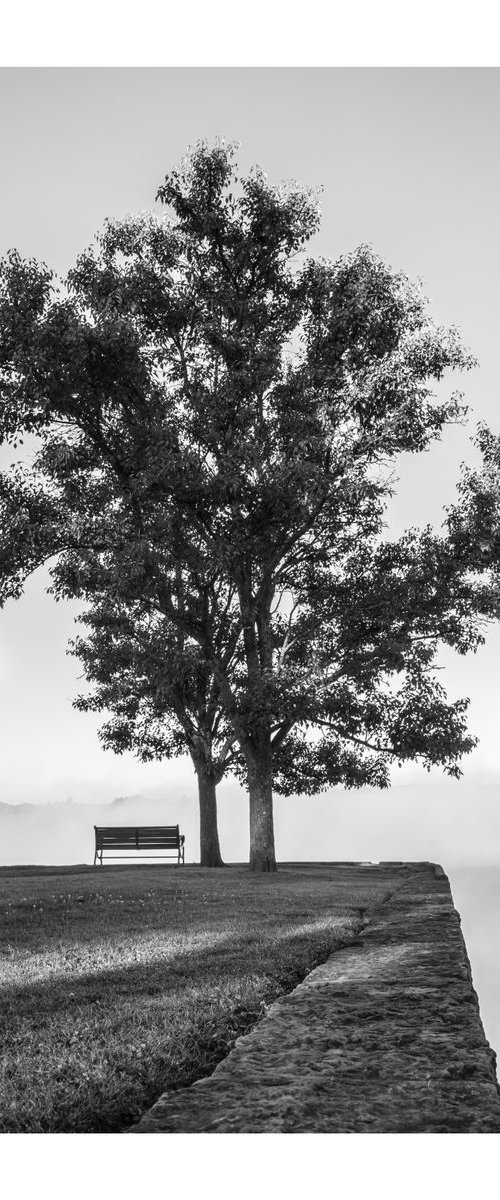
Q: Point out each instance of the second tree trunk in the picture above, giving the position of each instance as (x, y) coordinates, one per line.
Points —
(260, 787)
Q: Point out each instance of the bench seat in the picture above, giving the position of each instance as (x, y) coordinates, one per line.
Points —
(141, 839)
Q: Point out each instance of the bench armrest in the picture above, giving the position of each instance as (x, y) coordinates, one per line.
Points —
(181, 839)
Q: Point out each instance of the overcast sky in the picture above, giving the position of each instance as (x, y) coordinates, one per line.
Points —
(408, 160)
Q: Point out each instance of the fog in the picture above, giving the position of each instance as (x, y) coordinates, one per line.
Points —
(424, 817)
(476, 895)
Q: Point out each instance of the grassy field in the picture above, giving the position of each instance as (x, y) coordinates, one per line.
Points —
(120, 982)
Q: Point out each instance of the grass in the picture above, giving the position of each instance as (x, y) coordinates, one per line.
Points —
(120, 982)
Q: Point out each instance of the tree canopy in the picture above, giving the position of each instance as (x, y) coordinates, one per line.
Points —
(160, 696)
(217, 413)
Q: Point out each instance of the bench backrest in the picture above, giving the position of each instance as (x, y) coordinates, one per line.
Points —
(137, 837)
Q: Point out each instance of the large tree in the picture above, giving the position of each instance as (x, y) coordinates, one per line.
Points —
(215, 407)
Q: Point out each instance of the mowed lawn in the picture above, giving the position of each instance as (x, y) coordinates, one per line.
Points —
(120, 982)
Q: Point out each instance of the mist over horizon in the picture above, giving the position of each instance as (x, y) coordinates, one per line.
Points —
(424, 817)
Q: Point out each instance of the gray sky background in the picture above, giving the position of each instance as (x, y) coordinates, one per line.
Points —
(408, 159)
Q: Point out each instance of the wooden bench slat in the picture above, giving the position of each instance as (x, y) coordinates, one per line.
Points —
(140, 837)
(136, 845)
(129, 835)
(127, 831)
(142, 841)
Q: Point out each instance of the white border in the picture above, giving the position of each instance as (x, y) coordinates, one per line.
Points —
(263, 33)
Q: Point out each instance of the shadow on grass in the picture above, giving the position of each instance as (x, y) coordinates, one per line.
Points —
(232, 956)
(91, 1052)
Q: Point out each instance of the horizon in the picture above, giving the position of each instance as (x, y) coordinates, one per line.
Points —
(402, 823)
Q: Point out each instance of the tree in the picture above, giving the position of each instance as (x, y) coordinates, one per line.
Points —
(217, 409)
(161, 699)
(473, 523)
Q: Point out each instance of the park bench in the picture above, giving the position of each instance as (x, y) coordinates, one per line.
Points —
(139, 838)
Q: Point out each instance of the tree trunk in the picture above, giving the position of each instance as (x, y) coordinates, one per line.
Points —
(210, 855)
(260, 786)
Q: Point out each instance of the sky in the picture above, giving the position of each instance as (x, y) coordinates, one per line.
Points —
(408, 161)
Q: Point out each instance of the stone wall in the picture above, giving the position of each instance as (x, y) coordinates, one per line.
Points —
(384, 1037)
